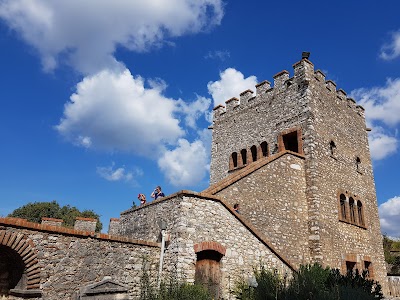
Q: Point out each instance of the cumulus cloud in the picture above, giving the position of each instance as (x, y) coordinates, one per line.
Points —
(185, 165)
(381, 103)
(389, 213)
(115, 111)
(381, 144)
(194, 110)
(391, 50)
(111, 173)
(382, 111)
(87, 33)
(231, 84)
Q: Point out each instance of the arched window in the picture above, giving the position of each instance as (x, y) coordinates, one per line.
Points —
(264, 149)
(332, 148)
(234, 157)
(243, 152)
(343, 213)
(253, 150)
(358, 162)
(360, 213)
(352, 210)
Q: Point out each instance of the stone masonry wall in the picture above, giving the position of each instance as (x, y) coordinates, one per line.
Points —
(261, 118)
(195, 218)
(70, 259)
(273, 200)
(338, 119)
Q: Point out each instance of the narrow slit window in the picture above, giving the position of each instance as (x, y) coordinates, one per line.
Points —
(343, 213)
(360, 213)
(264, 149)
(253, 150)
(244, 156)
(352, 210)
(234, 159)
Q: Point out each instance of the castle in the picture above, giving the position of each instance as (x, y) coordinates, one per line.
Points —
(295, 156)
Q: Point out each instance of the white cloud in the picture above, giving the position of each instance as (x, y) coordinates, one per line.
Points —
(218, 54)
(194, 110)
(381, 103)
(381, 144)
(88, 32)
(185, 165)
(391, 50)
(117, 174)
(115, 111)
(231, 84)
(389, 213)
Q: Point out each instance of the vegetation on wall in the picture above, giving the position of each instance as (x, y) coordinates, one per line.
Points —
(34, 212)
(311, 282)
(391, 249)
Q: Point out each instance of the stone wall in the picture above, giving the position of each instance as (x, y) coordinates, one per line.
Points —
(338, 119)
(273, 199)
(70, 259)
(194, 219)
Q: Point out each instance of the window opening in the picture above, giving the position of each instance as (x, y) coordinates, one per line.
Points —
(358, 162)
(343, 207)
(234, 159)
(244, 156)
(264, 149)
(367, 269)
(332, 147)
(352, 210)
(253, 150)
(290, 141)
(360, 213)
(350, 266)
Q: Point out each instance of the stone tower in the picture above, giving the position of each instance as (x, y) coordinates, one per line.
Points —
(296, 158)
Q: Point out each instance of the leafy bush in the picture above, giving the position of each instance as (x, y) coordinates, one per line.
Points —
(311, 282)
(34, 212)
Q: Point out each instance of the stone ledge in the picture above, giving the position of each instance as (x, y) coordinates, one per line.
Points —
(19, 223)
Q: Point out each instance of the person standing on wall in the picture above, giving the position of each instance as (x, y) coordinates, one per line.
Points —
(157, 193)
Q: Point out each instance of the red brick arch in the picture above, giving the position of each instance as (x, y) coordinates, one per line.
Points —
(25, 248)
(209, 246)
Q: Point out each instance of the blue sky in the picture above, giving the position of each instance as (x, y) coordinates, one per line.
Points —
(102, 100)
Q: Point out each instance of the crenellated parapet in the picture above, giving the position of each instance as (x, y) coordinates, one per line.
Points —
(295, 87)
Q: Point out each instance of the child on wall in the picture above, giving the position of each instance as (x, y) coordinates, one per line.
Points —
(142, 199)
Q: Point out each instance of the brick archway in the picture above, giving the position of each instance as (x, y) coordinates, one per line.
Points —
(28, 254)
(210, 246)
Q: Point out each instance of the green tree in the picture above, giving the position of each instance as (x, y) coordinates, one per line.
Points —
(34, 212)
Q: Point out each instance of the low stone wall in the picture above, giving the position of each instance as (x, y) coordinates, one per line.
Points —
(68, 259)
(194, 220)
(394, 286)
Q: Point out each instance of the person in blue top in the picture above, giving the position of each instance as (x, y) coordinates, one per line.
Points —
(157, 193)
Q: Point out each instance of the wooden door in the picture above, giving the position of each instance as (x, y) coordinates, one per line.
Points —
(208, 272)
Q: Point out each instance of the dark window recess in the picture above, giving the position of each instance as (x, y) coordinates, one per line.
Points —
(352, 210)
(343, 213)
(332, 147)
(358, 162)
(367, 268)
(253, 150)
(235, 159)
(360, 213)
(244, 156)
(350, 266)
(264, 149)
(290, 141)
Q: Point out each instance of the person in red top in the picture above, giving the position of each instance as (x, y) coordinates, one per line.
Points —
(142, 199)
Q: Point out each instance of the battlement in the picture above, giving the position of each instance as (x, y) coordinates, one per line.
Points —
(294, 87)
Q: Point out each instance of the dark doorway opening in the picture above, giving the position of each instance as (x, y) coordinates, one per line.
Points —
(290, 142)
(11, 270)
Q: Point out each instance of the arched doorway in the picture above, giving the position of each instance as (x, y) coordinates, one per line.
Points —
(208, 266)
(11, 270)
